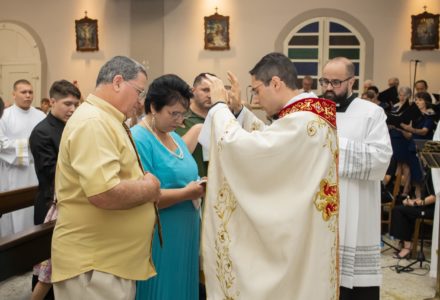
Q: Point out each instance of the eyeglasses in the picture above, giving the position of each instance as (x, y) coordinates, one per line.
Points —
(254, 90)
(141, 93)
(176, 115)
(324, 82)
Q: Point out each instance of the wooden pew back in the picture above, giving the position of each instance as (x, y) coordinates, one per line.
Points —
(19, 252)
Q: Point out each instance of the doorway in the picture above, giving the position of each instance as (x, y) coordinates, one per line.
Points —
(19, 59)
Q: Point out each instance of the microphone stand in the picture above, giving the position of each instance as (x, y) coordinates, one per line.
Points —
(416, 62)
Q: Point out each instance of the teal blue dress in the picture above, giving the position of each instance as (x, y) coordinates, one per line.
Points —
(177, 263)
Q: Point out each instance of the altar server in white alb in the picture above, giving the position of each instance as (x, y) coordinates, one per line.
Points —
(364, 154)
(16, 163)
(270, 220)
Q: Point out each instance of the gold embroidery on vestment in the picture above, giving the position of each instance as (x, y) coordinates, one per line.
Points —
(224, 208)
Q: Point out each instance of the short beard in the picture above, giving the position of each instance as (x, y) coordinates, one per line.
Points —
(336, 98)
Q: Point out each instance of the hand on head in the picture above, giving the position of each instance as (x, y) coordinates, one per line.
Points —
(217, 89)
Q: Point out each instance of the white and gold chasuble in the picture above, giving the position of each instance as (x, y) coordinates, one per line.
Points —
(270, 223)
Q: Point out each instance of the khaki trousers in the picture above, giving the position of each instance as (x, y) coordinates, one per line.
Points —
(95, 285)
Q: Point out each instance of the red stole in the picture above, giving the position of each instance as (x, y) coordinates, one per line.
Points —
(324, 108)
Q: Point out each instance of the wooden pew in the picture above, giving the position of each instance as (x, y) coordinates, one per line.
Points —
(17, 199)
(19, 252)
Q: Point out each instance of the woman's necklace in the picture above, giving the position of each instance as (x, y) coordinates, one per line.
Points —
(178, 153)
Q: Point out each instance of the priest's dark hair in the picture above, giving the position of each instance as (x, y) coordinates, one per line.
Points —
(276, 64)
(167, 90)
(62, 88)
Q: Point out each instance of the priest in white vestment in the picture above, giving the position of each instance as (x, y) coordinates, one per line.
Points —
(270, 221)
(365, 152)
(16, 163)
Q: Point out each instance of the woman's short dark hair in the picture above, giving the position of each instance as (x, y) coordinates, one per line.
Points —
(167, 90)
(426, 97)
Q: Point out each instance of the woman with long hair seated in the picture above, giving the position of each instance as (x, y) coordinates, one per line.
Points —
(166, 155)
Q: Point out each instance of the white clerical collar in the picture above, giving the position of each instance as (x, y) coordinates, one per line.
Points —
(300, 97)
(21, 110)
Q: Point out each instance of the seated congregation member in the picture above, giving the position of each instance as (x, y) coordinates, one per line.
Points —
(102, 238)
(271, 233)
(44, 142)
(423, 127)
(422, 86)
(165, 154)
(404, 217)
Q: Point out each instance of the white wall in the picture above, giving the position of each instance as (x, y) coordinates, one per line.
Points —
(175, 44)
(255, 25)
(54, 22)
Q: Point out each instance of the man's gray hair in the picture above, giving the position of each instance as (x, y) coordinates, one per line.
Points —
(119, 65)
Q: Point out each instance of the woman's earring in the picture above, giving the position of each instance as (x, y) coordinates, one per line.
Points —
(153, 121)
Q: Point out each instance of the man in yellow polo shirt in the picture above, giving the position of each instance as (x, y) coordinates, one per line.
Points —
(102, 239)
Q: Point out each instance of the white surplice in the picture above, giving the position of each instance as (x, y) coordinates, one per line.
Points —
(436, 183)
(16, 162)
(270, 221)
(365, 152)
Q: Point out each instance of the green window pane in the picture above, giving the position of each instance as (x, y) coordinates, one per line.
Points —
(303, 53)
(348, 53)
(304, 40)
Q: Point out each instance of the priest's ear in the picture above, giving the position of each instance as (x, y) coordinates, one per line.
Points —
(276, 82)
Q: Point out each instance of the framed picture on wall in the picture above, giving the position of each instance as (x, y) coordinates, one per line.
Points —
(86, 30)
(217, 32)
(425, 32)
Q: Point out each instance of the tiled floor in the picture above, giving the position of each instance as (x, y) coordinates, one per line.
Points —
(416, 285)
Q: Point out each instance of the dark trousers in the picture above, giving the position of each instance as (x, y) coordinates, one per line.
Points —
(404, 218)
(360, 293)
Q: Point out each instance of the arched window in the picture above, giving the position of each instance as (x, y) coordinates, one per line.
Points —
(314, 41)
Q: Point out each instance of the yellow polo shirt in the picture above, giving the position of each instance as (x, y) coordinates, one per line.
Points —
(95, 155)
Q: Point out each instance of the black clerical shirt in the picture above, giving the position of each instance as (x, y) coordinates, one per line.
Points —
(44, 143)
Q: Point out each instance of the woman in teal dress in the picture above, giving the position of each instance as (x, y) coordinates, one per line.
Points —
(165, 154)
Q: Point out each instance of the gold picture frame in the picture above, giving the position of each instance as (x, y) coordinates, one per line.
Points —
(425, 31)
(217, 32)
(86, 30)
